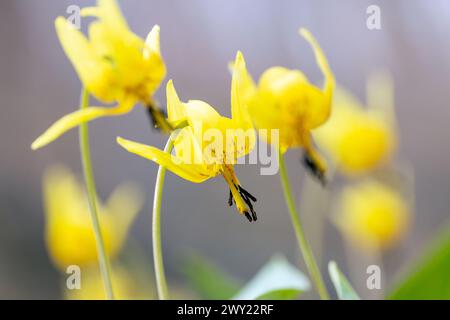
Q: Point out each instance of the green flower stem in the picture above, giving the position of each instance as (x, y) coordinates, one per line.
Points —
(303, 244)
(161, 283)
(92, 199)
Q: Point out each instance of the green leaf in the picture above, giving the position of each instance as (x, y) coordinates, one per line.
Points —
(430, 277)
(208, 279)
(277, 280)
(343, 288)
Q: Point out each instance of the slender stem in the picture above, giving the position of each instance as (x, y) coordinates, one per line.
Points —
(317, 204)
(92, 199)
(161, 283)
(303, 244)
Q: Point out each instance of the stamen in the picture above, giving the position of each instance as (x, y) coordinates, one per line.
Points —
(238, 195)
(230, 199)
(313, 168)
(248, 198)
(158, 118)
(248, 194)
(247, 215)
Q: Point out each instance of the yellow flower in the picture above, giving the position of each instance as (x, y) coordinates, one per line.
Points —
(373, 215)
(126, 286)
(286, 101)
(69, 234)
(200, 150)
(359, 139)
(114, 64)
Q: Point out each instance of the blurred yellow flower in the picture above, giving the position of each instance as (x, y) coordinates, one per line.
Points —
(373, 215)
(114, 64)
(359, 139)
(199, 156)
(126, 287)
(285, 100)
(69, 234)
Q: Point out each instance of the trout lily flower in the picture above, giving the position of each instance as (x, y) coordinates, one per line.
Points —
(286, 101)
(68, 232)
(357, 138)
(372, 215)
(200, 150)
(115, 66)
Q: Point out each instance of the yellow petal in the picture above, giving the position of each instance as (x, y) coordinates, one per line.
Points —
(154, 60)
(242, 90)
(276, 107)
(276, 79)
(76, 118)
(90, 12)
(202, 112)
(191, 172)
(61, 192)
(92, 69)
(109, 12)
(175, 108)
(204, 121)
(152, 43)
(186, 145)
(321, 61)
(69, 235)
(357, 139)
(290, 103)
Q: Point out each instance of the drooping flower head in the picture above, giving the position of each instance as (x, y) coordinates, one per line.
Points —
(372, 215)
(114, 64)
(210, 144)
(69, 235)
(286, 101)
(359, 139)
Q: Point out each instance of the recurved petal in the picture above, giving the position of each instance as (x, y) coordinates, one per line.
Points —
(152, 43)
(153, 58)
(110, 13)
(175, 108)
(242, 90)
(321, 61)
(76, 118)
(192, 172)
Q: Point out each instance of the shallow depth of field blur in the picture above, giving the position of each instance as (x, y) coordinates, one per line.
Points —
(198, 39)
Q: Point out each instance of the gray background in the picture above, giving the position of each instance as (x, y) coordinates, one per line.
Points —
(198, 39)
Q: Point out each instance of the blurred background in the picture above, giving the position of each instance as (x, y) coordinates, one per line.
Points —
(198, 38)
